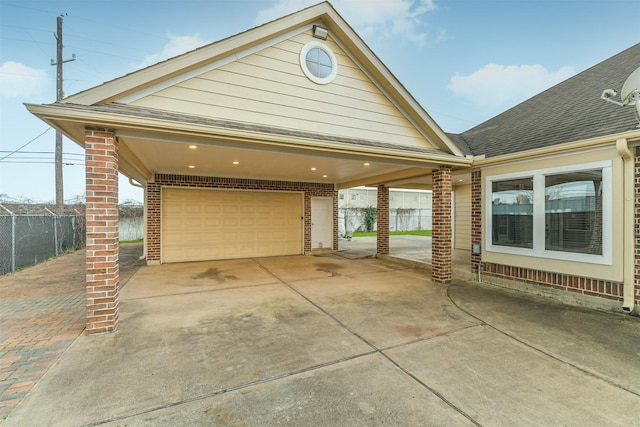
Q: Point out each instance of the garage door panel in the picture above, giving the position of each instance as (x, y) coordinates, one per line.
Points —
(212, 209)
(200, 224)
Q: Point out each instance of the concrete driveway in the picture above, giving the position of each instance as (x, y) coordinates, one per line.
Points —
(324, 340)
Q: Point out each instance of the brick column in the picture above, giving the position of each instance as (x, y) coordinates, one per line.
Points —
(476, 217)
(637, 227)
(382, 241)
(153, 206)
(336, 219)
(441, 239)
(102, 263)
(307, 222)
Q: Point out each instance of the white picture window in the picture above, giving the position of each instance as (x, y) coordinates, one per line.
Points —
(561, 213)
(318, 62)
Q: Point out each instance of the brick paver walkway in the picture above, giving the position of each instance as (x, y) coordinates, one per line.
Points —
(42, 311)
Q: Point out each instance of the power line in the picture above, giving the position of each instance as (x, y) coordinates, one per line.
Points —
(15, 151)
(42, 152)
(41, 163)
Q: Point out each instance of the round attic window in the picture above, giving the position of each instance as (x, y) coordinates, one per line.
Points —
(318, 63)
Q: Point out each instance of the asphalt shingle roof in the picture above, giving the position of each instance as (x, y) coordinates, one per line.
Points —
(570, 111)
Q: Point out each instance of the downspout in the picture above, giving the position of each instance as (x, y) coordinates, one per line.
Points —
(144, 216)
(628, 242)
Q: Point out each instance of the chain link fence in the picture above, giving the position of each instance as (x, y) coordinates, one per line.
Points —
(27, 239)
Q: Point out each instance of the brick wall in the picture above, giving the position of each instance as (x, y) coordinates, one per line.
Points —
(309, 190)
(102, 263)
(382, 239)
(582, 285)
(441, 235)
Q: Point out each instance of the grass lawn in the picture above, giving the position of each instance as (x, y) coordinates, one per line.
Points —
(394, 233)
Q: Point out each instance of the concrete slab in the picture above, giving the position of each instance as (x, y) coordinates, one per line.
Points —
(366, 391)
(582, 337)
(407, 247)
(357, 342)
(499, 381)
(172, 279)
(387, 308)
(174, 348)
(293, 268)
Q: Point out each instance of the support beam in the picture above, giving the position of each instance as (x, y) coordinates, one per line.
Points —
(102, 257)
(382, 241)
(441, 239)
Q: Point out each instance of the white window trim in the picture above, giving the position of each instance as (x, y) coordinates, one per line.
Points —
(538, 249)
(303, 62)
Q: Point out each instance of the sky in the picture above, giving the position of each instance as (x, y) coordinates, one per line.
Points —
(464, 61)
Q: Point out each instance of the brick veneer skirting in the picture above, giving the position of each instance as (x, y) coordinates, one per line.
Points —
(581, 285)
(309, 189)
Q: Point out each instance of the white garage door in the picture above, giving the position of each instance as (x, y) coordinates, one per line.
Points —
(202, 225)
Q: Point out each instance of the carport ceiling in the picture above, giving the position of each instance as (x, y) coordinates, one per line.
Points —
(217, 158)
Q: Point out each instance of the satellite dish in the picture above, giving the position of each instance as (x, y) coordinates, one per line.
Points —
(630, 92)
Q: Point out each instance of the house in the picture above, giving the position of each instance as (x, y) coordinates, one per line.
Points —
(555, 190)
(242, 145)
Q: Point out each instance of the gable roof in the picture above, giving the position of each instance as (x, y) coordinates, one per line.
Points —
(162, 75)
(568, 112)
(246, 96)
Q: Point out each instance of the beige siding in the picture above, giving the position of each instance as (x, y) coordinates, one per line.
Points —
(207, 224)
(269, 88)
(462, 217)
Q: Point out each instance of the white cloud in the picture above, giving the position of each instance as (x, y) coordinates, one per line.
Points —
(382, 18)
(497, 85)
(177, 45)
(18, 80)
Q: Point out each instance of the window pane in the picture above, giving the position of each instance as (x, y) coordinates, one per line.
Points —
(319, 63)
(573, 212)
(512, 212)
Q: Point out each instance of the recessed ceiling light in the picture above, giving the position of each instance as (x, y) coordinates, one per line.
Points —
(236, 162)
(367, 164)
(193, 147)
(313, 169)
(324, 176)
(192, 167)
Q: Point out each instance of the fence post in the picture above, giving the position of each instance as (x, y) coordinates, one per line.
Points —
(55, 230)
(13, 238)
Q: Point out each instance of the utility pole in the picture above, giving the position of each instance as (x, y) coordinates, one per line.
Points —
(59, 95)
